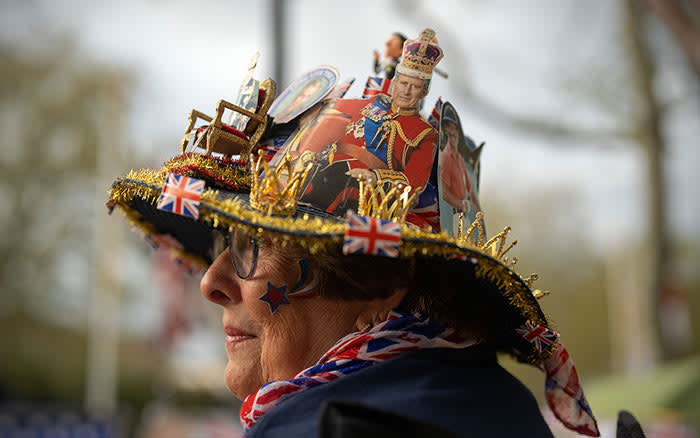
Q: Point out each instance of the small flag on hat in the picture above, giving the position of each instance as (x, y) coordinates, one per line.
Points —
(371, 235)
(540, 337)
(181, 195)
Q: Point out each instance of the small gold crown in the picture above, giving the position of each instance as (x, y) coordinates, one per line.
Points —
(388, 200)
(276, 192)
(494, 247)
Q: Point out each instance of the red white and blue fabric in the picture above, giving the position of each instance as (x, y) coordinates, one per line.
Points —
(181, 195)
(339, 91)
(400, 333)
(562, 387)
(375, 86)
(565, 395)
(434, 117)
(167, 242)
(426, 212)
(371, 235)
(188, 266)
(540, 337)
(162, 241)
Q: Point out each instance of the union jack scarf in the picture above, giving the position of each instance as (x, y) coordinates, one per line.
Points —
(403, 332)
(400, 333)
(565, 394)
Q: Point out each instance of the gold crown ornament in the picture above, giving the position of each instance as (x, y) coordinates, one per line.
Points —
(388, 200)
(276, 192)
(420, 56)
(494, 247)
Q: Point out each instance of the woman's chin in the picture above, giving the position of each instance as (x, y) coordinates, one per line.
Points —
(241, 382)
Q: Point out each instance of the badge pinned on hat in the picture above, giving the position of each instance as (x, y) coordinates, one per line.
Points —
(307, 90)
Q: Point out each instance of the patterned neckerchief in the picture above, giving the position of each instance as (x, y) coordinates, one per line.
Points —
(400, 333)
(403, 332)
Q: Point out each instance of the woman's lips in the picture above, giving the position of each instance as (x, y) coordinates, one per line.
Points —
(235, 336)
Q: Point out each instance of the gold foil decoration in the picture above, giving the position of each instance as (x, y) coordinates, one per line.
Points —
(232, 174)
(275, 192)
(388, 200)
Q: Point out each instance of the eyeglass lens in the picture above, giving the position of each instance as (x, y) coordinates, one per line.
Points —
(244, 253)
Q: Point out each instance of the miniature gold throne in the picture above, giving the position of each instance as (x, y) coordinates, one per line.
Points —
(225, 139)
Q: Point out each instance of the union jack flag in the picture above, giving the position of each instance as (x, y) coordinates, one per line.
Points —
(375, 86)
(426, 210)
(434, 117)
(181, 195)
(370, 235)
(540, 337)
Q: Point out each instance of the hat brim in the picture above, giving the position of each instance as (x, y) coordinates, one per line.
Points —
(225, 209)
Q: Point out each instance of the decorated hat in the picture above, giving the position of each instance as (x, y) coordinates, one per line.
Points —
(357, 177)
(420, 56)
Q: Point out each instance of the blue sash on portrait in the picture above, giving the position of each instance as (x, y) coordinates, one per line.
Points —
(373, 120)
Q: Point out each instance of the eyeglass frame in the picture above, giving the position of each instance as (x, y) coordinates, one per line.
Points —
(228, 238)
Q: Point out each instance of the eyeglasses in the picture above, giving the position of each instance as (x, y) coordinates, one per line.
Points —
(243, 249)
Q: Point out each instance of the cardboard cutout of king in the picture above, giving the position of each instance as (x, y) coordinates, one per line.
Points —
(381, 139)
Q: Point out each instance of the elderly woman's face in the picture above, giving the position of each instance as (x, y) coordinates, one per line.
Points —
(262, 344)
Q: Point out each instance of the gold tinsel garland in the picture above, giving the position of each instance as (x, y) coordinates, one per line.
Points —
(231, 174)
(122, 196)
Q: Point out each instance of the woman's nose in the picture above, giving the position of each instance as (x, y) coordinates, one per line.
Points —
(220, 284)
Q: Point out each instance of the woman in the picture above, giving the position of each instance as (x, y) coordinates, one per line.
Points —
(457, 388)
(360, 306)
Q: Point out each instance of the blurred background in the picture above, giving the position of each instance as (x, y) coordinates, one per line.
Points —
(591, 116)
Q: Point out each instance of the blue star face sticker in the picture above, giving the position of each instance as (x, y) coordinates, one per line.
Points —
(275, 296)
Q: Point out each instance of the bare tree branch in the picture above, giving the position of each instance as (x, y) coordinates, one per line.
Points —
(495, 113)
(555, 130)
(684, 28)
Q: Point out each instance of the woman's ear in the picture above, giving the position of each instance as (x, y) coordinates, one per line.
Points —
(376, 311)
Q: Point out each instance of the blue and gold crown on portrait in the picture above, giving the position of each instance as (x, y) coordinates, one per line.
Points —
(313, 183)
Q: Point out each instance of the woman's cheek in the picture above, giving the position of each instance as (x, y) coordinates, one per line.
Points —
(283, 348)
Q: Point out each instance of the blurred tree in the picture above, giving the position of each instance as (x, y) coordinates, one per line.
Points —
(48, 165)
(683, 20)
(574, 277)
(647, 133)
(50, 120)
(60, 117)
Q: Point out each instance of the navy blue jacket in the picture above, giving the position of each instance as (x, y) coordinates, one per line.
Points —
(464, 391)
